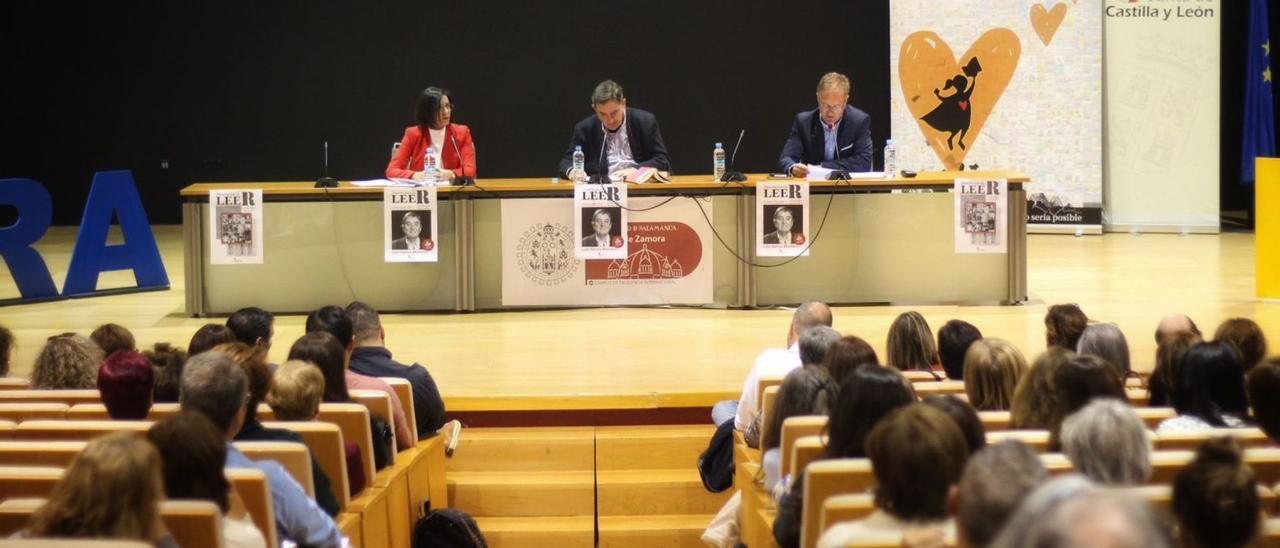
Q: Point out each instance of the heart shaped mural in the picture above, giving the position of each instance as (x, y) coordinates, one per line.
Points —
(1047, 21)
(951, 102)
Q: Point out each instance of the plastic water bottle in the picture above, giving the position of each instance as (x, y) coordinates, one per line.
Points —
(717, 162)
(579, 159)
(890, 160)
(429, 171)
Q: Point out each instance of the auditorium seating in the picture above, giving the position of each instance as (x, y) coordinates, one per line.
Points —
(762, 384)
(825, 478)
(18, 412)
(192, 523)
(69, 397)
(404, 391)
(795, 428)
(324, 440)
(254, 490)
(294, 457)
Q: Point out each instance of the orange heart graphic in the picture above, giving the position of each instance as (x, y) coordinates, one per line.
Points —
(949, 102)
(1046, 22)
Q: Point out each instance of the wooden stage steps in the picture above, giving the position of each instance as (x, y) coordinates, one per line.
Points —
(615, 486)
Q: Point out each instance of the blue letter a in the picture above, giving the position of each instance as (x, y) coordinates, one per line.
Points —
(114, 191)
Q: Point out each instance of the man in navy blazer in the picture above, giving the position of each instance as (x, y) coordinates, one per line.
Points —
(834, 135)
(634, 140)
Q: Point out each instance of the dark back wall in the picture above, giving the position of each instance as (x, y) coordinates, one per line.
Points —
(247, 91)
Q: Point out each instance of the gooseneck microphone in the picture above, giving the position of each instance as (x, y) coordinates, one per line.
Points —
(326, 181)
(838, 174)
(731, 176)
(602, 175)
(460, 180)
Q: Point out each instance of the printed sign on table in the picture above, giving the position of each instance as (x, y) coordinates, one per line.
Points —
(409, 219)
(782, 219)
(601, 221)
(981, 215)
(235, 226)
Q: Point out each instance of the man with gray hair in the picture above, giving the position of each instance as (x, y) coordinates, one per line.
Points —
(1070, 512)
(995, 482)
(214, 386)
(774, 362)
(1108, 443)
(617, 137)
(372, 358)
(814, 343)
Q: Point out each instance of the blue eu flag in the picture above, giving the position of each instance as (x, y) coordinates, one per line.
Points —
(1259, 117)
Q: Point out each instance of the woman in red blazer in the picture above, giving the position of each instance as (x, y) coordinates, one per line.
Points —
(433, 114)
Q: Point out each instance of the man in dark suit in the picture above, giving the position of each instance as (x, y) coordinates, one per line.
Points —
(834, 135)
(628, 136)
(601, 223)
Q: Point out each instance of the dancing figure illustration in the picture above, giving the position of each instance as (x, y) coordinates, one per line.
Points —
(954, 113)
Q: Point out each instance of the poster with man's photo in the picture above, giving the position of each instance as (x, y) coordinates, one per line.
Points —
(409, 220)
(235, 226)
(981, 219)
(782, 219)
(600, 230)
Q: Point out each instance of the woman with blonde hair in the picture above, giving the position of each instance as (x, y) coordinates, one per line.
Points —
(992, 369)
(67, 361)
(112, 489)
(295, 395)
(910, 345)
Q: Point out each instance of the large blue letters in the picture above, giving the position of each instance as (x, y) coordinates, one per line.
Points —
(35, 211)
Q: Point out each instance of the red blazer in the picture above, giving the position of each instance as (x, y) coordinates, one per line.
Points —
(413, 147)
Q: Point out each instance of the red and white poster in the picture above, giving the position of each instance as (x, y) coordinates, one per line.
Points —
(668, 261)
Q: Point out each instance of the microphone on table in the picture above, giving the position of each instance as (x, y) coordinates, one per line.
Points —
(731, 176)
(838, 174)
(460, 180)
(602, 176)
(326, 181)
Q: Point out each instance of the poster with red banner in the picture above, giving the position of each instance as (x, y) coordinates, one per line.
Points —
(668, 259)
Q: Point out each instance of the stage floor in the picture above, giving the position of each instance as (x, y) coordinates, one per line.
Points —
(632, 358)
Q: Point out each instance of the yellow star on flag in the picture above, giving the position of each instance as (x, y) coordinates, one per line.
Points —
(1266, 74)
(1266, 48)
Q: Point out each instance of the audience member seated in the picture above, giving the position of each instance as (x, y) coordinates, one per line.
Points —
(995, 482)
(1216, 498)
(846, 354)
(295, 396)
(1208, 391)
(253, 361)
(1063, 325)
(1264, 385)
(166, 363)
(194, 454)
(112, 489)
(1175, 323)
(917, 454)
(1106, 341)
(325, 352)
(213, 385)
(1108, 443)
(805, 391)
(125, 382)
(334, 320)
(253, 326)
(67, 361)
(1072, 512)
(992, 369)
(112, 337)
(1035, 400)
(372, 358)
(975, 434)
(1169, 354)
(954, 338)
(1078, 382)
(867, 394)
(1246, 338)
(815, 343)
(6, 350)
(910, 344)
(774, 362)
(208, 336)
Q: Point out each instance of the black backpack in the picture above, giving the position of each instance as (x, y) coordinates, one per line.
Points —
(447, 528)
(716, 463)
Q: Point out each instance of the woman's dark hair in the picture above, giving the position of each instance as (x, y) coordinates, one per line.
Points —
(1077, 382)
(6, 349)
(1216, 497)
(866, 395)
(167, 363)
(428, 107)
(1264, 385)
(323, 349)
(126, 383)
(193, 453)
(1063, 325)
(917, 453)
(208, 336)
(910, 344)
(1169, 354)
(954, 338)
(112, 337)
(1246, 338)
(804, 391)
(1209, 383)
(975, 435)
(845, 355)
(253, 360)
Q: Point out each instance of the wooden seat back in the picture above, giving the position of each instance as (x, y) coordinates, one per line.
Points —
(70, 430)
(1138, 397)
(14, 383)
(351, 418)
(917, 376)
(69, 397)
(924, 389)
(1270, 533)
(762, 384)
(404, 391)
(294, 457)
(1153, 416)
(379, 405)
(18, 412)
(824, 479)
(39, 453)
(324, 440)
(8, 429)
(995, 421)
(1165, 465)
(98, 411)
(192, 523)
(795, 428)
(849, 507)
(28, 481)
(769, 406)
(255, 491)
(1037, 440)
(77, 543)
(804, 451)
(1248, 437)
